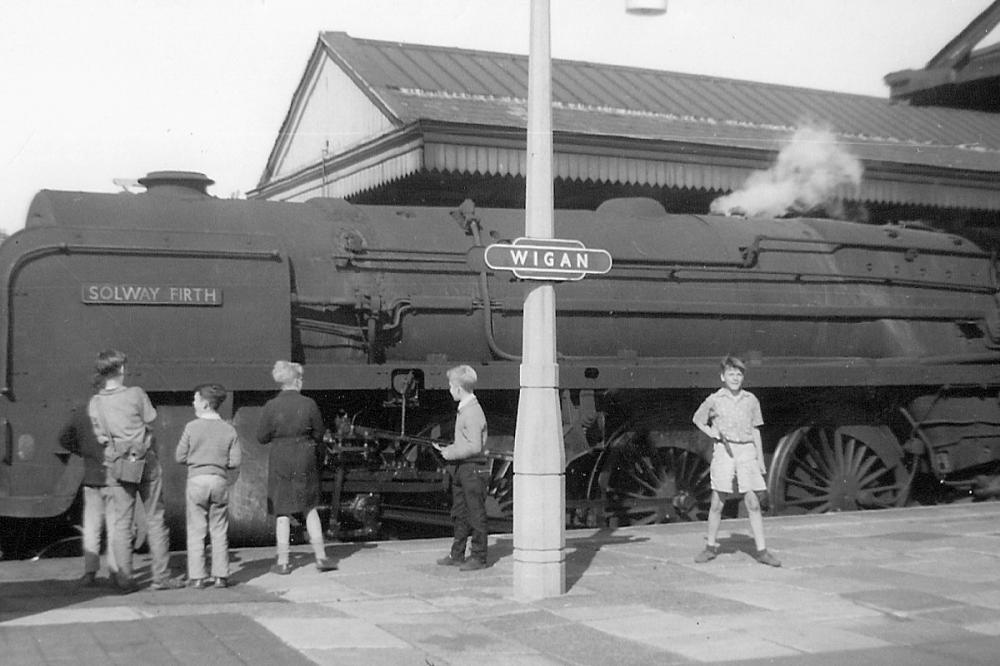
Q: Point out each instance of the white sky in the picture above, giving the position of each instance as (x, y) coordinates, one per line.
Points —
(101, 89)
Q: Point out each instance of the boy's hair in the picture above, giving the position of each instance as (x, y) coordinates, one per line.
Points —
(109, 363)
(285, 372)
(733, 362)
(213, 394)
(464, 376)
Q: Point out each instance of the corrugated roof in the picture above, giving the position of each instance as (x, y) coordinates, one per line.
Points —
(417, 82)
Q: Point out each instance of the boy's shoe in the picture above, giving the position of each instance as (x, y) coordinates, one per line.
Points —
(88, 579)
(124, 585)
(221, 582)
(767, 558)
(472, 564)
(199, 583)
(707, 555)
(326, 564)
(166, 584)
(450, 561)
(281, 569)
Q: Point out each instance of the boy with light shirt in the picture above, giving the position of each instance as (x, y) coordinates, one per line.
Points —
(732, 418)
(209, 447)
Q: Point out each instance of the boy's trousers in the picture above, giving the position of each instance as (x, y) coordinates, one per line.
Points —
(207, 513)
(468, 510)
(123, 499)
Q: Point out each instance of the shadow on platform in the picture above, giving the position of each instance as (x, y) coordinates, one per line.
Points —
(580, 553)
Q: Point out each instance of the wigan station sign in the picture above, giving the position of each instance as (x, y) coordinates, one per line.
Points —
(547, 259)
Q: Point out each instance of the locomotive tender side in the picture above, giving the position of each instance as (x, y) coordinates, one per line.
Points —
(874, 349)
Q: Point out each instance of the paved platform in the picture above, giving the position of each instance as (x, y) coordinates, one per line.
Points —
(915, 586)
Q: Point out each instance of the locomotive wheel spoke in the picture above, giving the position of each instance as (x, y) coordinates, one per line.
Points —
(840, 455)
(652, 489)
(870, 478)
(852, 461)
(866, 466)
(804, 484)
(823, 450)
(818, 457)
(809, 500)
(811, 471)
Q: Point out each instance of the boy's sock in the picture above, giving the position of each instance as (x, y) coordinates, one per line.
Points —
(315, 529)
(710, 553)
(283, 533)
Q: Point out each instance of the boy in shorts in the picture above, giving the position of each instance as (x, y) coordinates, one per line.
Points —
(210, 448)
(732, 418)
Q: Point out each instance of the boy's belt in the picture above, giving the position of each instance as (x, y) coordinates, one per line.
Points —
(480, 459)
(725, 442)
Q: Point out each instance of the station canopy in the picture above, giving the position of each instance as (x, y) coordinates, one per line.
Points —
(367, 114)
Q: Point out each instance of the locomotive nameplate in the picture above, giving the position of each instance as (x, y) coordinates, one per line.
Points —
(547, 259)
(147, 294)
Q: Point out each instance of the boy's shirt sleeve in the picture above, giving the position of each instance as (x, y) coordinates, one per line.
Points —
(95, 421)
(704, 412)
(757, 419)
(183, 446)
(235, 451)
(148, 411)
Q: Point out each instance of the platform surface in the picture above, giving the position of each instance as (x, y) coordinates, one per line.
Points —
(909, 586)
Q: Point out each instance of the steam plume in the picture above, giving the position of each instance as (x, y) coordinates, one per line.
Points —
(809, 176)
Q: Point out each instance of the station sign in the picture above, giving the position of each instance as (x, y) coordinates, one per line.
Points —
(547, 259)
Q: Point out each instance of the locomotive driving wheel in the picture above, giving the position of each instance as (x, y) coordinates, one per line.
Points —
(655, 476)
(500, 490)
(821, 468)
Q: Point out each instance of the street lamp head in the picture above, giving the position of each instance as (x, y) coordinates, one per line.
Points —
(646, 7)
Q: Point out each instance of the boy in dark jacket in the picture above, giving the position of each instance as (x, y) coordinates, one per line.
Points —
(78, 437)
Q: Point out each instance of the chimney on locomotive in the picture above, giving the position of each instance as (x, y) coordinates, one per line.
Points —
(176, 182)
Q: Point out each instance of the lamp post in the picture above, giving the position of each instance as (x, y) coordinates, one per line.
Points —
(539, 453)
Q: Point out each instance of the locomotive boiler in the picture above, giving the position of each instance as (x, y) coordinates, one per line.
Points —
(873, 349)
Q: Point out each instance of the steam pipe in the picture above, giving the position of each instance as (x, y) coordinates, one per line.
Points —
(484, 295)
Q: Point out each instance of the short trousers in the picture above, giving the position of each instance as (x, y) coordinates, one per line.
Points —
(738, 474)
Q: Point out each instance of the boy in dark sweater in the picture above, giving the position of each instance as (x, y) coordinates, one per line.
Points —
(79, 438)
(469, 470)
(210, 448)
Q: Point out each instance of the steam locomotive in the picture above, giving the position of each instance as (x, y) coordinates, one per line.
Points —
(874, 349)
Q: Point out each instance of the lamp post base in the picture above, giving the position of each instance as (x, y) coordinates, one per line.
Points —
(539, 535)
(539, 580)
